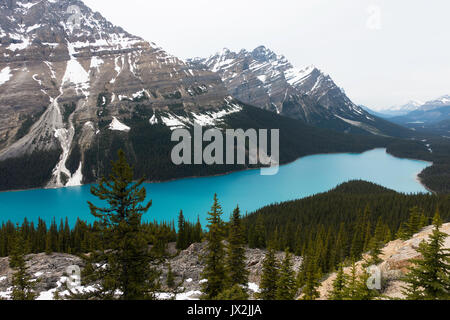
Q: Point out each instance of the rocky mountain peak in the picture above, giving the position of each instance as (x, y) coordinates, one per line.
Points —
(65, 78)
(268, 80)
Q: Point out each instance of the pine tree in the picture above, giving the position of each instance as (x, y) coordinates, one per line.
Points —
(170, 277)
(429, 278)
(236, 292)
(269, 277)
(22, 286)
(236, 260)
(181, 238)
(214, 270)
(339, 285)
(351, 291)
(286, 285)
(126, 266)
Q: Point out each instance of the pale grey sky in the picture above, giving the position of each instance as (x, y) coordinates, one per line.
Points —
(382, 52)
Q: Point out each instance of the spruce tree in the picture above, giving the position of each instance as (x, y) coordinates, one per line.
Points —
(214, 270)
(236, 260)
(236, 292)
(170, 277)
(286, 285)
(269, 277)
(181, 238)
(429, 277)
(339, 285)
(123, 271)
(23, 288)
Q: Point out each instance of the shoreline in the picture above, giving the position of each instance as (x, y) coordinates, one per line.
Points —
(417, 178)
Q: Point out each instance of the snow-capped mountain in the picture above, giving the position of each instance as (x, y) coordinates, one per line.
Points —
(443, 101)
(63, 82)
(269, 81)
(400, 110)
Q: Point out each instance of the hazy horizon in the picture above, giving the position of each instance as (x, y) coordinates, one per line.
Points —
(382, 53)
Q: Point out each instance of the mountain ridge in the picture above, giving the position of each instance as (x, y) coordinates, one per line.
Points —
(268, 80)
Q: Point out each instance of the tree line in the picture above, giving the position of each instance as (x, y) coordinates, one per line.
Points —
(327, 230)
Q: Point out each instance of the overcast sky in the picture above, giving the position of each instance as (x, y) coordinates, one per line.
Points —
(382, 52)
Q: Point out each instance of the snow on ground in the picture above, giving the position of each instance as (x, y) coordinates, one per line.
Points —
(153, 120)
(5, 75)
(96, 62)
(76, 178)
(253, 287)
(75, 73)
(207, 118)
(116, 125)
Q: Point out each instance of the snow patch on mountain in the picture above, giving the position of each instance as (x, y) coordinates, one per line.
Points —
(5, 75)
(116, 125)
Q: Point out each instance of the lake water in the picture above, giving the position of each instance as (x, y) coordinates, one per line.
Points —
(304, 177)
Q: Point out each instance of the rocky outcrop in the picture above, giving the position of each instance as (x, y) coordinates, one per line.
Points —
(396, 256)
(47, 269)
(269, 81)
(187, 267)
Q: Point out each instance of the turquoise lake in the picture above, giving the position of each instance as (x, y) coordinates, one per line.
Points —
(248, 189)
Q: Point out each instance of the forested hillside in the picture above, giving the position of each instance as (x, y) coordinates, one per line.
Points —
(341, 223)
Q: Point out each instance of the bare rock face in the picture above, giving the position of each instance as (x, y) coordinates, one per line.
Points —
(269, 81)
(396, 257)
(65, 75)
(187, 265)
(47, 269)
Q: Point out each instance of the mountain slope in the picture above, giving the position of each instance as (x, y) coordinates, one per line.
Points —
(396, 259)
(269, 81)
(70, 96)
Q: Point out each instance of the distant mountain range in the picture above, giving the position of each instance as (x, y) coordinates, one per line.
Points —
(269, 81)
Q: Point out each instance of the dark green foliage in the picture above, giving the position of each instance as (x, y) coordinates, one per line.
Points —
(235, 260)
(236, 292)
(28, 171)
(22, 286)
(67, 110)
(125, 267)
(286, 285)
(170, 277)
(310, 274)
(339, 285)
(437, 176)
(74, 159)
(214, 267)
(181, 237)
(417, 220)
(28, 123)
(341, 223)
(429, 277)
(269, 278)
(80, 239)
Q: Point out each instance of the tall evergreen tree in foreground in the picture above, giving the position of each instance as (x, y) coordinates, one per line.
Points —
(286, 285)
(235, 262)
(269, 277)
(124, 270)
(214, 270)
(22, 286)
(429, 278)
